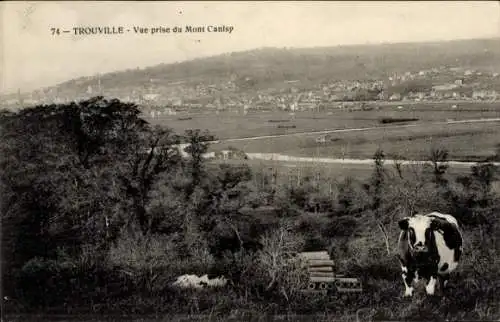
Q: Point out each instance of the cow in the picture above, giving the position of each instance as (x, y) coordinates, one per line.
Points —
(430, 247)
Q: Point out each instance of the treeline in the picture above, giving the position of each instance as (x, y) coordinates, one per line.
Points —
(100, 213)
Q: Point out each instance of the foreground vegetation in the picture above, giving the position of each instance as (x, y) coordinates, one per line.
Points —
(100, 214)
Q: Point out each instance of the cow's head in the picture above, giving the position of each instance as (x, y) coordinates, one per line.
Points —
(420, 230)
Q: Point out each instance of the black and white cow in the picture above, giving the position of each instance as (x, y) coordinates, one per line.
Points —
(430, 247)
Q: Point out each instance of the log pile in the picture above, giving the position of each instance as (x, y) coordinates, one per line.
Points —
(322, 277)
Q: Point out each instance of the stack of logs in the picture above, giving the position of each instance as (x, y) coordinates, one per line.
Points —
(322, 277)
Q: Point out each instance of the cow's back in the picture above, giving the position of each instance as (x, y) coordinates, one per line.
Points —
(448, 244)
(448, 218)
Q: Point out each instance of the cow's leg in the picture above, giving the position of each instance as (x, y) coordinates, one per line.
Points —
(443, 281)
(408, 276)
(431, 286)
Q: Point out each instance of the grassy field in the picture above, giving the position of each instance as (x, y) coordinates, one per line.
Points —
(469, 141)
(236, 125)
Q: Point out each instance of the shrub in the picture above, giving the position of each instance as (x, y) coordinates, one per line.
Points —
(137, 252)
(279, 268)
(50, 284)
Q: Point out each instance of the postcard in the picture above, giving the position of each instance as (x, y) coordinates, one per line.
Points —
(240, 160)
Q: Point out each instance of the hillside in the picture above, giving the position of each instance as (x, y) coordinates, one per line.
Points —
(270, 67)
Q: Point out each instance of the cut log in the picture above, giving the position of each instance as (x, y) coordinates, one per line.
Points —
(314, 255)
(321, 274)
(320, 262)
(320, 269)
(319, 279)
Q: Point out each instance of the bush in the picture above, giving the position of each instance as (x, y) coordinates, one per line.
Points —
(277, 264)
(49, 284)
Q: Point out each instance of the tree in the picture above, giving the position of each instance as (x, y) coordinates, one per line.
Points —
(479, 204)
(153, 155)
(197, 145)
(398, 164)
(438, 157)
(376, 187)
(377, 180)
(223, 198)
(61, 180)
(98, 129)
(283, 271)
(484, 174)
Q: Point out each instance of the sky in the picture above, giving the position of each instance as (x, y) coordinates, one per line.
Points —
(32, 57)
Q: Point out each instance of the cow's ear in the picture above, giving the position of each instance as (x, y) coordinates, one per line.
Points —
(403, 223)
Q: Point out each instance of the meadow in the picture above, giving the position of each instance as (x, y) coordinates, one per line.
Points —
(468, 141)
(234, 124)
(411, 140)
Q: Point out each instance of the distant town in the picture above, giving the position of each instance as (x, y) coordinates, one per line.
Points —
(158, 98)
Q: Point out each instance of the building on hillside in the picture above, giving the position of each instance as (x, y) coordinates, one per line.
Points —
(485, 95)
(382, 96)
(307, 106)
(12, 101)
(444, 87)
(395, 97)
(335, 97)
(169, 111)
(176, 101)
(151, 97)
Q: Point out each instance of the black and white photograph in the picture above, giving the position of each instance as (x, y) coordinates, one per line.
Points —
(250, 161)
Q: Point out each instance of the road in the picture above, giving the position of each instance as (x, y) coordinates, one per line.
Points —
(288, 158)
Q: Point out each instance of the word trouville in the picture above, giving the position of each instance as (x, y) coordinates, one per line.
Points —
(153, 30)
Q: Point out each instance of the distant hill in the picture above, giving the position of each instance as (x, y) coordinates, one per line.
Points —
(270, 67)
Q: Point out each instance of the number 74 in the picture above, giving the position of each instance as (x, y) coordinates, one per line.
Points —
(55, 31)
